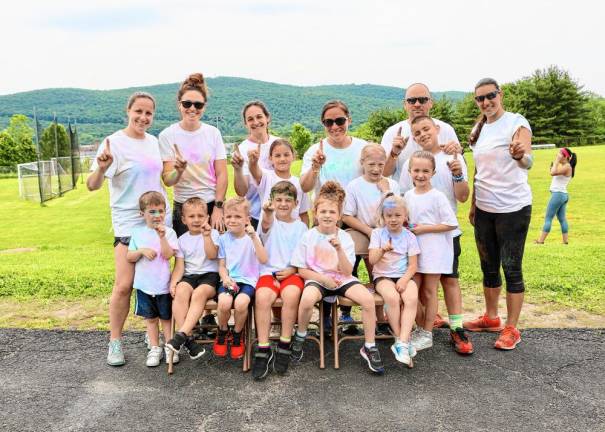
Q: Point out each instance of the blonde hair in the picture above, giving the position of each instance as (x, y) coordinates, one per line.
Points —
(390, 200)
(238, 202)
(422, 154)
(151, 198)
(331, 191)
(370, 149)
(195, 202)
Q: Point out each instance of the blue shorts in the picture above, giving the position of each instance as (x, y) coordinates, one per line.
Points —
(243, 289)
(153, 306)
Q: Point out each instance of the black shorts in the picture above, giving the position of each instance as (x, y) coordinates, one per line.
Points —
(195, 280)
(121, 240)
(177, 222)
(153, 306)
(392, 279)
(457, 251)
(325, 292)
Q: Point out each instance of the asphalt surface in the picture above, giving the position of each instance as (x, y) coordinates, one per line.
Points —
(58, 381)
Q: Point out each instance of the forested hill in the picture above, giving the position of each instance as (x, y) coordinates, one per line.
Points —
(100, 112)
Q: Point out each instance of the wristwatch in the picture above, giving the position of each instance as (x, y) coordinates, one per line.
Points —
(218, 204)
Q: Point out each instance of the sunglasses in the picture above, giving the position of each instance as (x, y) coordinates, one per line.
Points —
(489, 96)
(330, 122)
(198, 105)
(421, 99)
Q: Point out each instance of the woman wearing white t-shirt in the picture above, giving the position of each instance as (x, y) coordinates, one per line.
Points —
(501, 208)
(194, 156)
(256, 119)
(130, 159)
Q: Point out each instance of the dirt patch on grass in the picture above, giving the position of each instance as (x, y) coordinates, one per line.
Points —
(18, 250)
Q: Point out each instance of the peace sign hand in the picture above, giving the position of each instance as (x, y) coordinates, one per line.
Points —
(180, 163)
(105, 159)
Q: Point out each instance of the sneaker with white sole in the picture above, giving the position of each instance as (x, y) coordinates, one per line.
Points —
(175, 356)
(115, 356)
(422, 339)
(403, 352)
(154, 356)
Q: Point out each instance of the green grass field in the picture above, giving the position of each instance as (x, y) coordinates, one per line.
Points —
(67, 244)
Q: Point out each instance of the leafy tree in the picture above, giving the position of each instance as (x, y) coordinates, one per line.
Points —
(378, 122)
(443, 109)
(596, 113)
(17, 142)
(7, 150)
(47, 142)
(465, 117)
(300, 138)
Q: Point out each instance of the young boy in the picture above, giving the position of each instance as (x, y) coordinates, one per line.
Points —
(239, 252)
(151, 248)
(195, 276)
(451, 179)
(279, 231)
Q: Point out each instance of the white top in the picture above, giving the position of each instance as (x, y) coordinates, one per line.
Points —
(152, 276)
(446, 134)
(191, 249)
(442, 180)
(559, 183)
(436, 249)
(263, 163)
(500, 184)
(269, 180)
(136, 169)
(200, 148)
(363, 199)
(279, 242)
(342, 165)
(393, 264)
(240, 258)
(315, 252)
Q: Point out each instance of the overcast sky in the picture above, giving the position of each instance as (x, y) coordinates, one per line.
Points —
(447, 44)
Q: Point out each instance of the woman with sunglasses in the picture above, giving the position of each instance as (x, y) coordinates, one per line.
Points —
(501, 208)
(130, 159)
(195, 160)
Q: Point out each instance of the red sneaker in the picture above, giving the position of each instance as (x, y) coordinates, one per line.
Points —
(484, 323)
(238, 347)
(508, 339)
(440, 322)
(220, 345)
(462, 344)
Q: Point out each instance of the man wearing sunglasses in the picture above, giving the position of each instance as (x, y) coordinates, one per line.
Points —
(397, 140)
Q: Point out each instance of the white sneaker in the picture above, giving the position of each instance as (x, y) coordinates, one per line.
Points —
(403, 352)
(154, 356)
(175, 356)
(115, 355)
(422, 339)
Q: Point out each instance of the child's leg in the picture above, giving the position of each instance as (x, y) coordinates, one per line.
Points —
(291, 298)
(153, 331)
(262, 312)
(452, 296)
(241, 311)
(309, 297)
(360, 295)
(409, 296)
(180, 304)
(225, 300)
(420, 303)
(430, 282)
(167, 329)
(196, 308)
(386, 288)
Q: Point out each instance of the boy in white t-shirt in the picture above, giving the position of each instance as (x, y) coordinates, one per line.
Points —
(451, 178)
(151, 248)
(279, 231)
(195, 276)
(239, 252)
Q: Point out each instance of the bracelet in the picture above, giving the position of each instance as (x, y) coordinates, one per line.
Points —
(458, 178)
(518, 159)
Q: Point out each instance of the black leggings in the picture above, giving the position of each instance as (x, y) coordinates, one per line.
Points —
(500, 239)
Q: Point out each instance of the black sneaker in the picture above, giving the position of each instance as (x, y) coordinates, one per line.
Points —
(194, 349)
(177, 341)
(383, 329)
(282, 360)
(261, 363)
(208, 333)
(372, 356)
(297, 348)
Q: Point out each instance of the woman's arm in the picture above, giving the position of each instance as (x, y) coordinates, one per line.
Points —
(170, 176)
(357, 225)
(520, 148)
(437, 228)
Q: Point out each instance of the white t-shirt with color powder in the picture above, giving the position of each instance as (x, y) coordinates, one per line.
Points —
(240, 258)
(393, 264)
(446, 134)
(436, 249)
(264, 163)
(152, 276)
(500, 184)
(191, 249)
(269, 180)
(136, 169)
(342, 165)
(315, 252)
(200, 148)
(279, 242)
(363, 199)
(442, 180)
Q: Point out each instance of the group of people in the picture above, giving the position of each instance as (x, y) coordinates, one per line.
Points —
(391, 204)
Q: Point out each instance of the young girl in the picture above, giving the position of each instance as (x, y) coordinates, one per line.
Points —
(195, 161)
(394, 255)
(280, 229)
(562, 170)
(432, 220)
(281, 155)
(256, 119)
(324, 257)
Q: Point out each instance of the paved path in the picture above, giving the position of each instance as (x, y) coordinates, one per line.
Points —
(57, 381)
